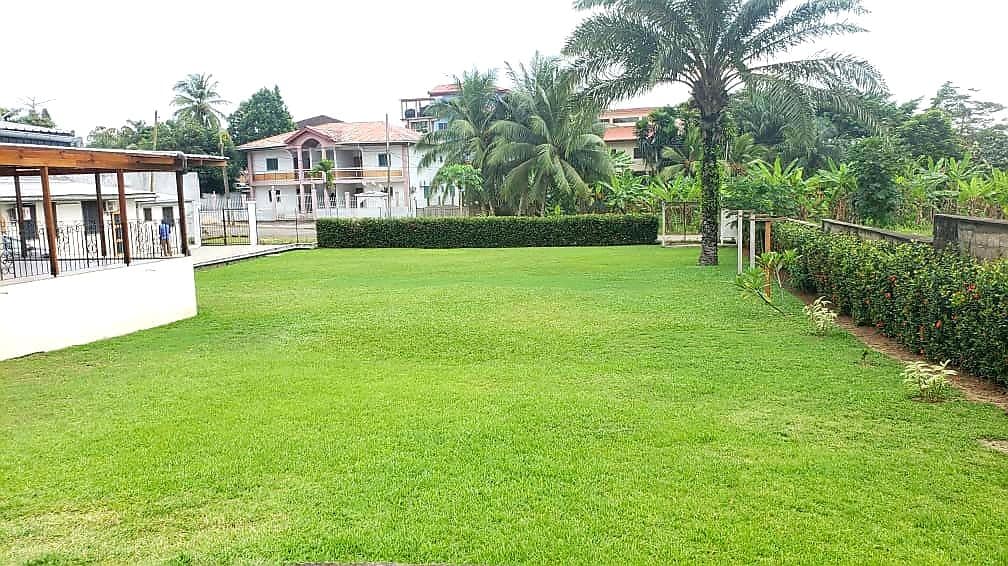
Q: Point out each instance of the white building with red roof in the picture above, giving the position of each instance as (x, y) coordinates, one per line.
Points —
(375, 171)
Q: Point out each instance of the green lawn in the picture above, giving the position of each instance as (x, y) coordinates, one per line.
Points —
(547, 406)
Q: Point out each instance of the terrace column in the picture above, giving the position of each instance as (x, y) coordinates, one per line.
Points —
(123, 218)
(101, 214)
(183, 223)
(19, 214)
(50, 220)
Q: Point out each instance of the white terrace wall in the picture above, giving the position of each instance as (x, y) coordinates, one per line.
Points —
(69, 310)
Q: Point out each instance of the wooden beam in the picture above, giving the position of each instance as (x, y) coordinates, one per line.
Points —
(19, 215)
(101, 214)
(183, 229)
(123, 218)
(65, 159)
(50, 220)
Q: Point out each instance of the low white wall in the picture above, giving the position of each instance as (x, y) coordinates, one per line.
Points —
(74, 309)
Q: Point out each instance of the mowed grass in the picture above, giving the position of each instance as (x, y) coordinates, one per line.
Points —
(542, 406)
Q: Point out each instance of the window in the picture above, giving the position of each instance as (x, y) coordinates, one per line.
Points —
(383, 160)
(148, 215)
(421, 127)
(272, 164)
(442, 126)
(168, 214)
(638, 153)
(278, 195)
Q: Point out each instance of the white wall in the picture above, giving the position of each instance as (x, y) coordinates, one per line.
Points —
(64, 311)
(284, 158)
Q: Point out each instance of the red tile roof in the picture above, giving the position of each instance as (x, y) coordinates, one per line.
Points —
(620, 133)
(441, 90)
(343, 133)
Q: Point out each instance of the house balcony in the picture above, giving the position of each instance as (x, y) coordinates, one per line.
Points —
(339, 175)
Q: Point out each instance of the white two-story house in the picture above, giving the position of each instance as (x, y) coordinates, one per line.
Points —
(375, 171)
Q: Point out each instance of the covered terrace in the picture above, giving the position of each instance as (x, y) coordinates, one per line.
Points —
(108, 235)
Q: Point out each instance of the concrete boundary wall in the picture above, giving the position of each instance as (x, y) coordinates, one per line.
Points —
(982, 238)
(869, 233)
(54, 313)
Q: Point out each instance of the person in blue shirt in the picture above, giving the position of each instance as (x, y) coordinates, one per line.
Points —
(164, 234)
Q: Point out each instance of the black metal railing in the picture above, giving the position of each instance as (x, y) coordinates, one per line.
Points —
(25, 252)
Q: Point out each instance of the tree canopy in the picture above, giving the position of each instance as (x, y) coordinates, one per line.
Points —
(262, 115)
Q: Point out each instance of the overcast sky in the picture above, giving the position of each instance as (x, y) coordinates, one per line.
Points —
(103, 62)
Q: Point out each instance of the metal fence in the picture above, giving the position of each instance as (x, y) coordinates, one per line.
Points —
(442, 211)
(224, 221)
(80, 247)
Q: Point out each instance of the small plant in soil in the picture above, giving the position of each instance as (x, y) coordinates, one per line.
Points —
(929, 382)
(822, 319)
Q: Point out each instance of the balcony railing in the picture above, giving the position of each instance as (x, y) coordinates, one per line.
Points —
(340, 174)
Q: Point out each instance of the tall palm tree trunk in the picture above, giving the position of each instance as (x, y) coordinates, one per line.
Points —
(710, 182)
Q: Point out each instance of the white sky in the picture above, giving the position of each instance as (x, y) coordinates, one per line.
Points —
(103, 62)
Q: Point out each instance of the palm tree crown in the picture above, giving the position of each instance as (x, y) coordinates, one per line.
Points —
(466, 139)
(715, 47)
(551, 142)
(197, 101)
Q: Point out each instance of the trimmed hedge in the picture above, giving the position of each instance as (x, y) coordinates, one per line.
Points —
(487, 232)
(944, 306)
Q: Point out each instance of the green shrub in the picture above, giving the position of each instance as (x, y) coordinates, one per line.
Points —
(944, 306)
(488, 232)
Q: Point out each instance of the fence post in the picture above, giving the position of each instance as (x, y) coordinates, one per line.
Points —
(253, 227)
(197, 225)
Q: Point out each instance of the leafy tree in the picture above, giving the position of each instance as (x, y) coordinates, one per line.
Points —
(264, 114)
(991, 146)
(875, 162)
(551, 144)
(173, 135)
(31, 117)
(930, 134)
(836, 185)
(464, 178)
(968, 114)
(197, 101)
(626, 47)
(468, 137)
(662, 128)
(624, 191)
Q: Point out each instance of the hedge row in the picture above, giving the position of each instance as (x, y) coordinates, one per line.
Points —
(487, 232)
(943, 305)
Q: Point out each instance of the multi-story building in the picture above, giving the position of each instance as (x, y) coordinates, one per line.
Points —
(621, 133)
(414, 110)
(375, 171)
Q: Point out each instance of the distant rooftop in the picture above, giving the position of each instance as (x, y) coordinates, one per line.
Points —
(341, 133)
(16, 132)
(317, 121)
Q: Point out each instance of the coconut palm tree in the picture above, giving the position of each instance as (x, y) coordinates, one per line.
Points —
(197, 101)
(714, 47)
(467, 138)
(551, 142)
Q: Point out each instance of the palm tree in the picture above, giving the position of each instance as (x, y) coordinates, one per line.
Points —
(197, 101)
(683, 159)
(551, 142)
(714, 47)
(467, 138)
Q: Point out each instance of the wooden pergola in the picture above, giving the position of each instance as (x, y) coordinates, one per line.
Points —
(17, 160)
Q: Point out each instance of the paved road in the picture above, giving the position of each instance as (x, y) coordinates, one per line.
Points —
(301, 231)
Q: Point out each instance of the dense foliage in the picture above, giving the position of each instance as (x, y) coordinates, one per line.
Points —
(488, 232)
(943, 305)
(264, 114)
(626, 47)
(537, 147)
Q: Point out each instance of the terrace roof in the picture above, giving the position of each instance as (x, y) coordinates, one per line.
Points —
(25, 159)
